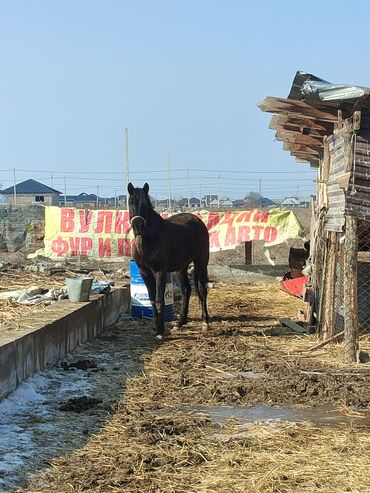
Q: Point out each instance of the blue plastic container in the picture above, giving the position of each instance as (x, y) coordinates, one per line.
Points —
(140, 303)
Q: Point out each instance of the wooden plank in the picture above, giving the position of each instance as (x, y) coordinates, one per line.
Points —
(304, 110)
(287, 322)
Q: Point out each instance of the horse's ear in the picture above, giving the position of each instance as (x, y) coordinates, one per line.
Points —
(130, 188)
(146, 188)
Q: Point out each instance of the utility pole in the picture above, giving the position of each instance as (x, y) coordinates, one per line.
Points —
(169, 183)
(97, 196)
(52, 181)
(115, 198)
(14, 187)
(260, 187)
(127, 165)
(187, 186)
(219, 187)
(65, 191)
(297, 191)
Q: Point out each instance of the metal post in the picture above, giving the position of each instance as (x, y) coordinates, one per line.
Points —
(127, 165)
(65, 191)
(14, 187)
(169, 183)
(187, 186)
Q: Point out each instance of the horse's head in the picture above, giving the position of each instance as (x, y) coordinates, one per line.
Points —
(139, 206)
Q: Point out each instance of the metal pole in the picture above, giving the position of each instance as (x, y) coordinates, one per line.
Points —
(115, 198)
(260, 187)
(219, 186)
(187, 186)
(127, 165)
(52, 181)
(65, 191)
(14, 187)
(169, 183)
(97, 196)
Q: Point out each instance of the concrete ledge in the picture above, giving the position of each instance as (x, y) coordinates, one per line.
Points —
(27, 351)
(246, 273)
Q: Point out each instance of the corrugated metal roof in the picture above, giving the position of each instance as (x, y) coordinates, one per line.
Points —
(310, 112)
(31, 187)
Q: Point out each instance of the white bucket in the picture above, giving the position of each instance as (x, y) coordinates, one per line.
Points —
(79, 288)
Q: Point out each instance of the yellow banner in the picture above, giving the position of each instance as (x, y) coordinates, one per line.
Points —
(107, 233)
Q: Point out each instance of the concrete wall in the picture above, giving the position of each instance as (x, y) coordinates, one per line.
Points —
(31, 350)
(29, 199)
(21, 227)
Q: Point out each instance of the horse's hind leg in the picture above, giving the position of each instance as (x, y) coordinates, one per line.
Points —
(201, 279)
(183, 280)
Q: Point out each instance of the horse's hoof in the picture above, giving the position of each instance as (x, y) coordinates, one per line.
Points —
(205, 326)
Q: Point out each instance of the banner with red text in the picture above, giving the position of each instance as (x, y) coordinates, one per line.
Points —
(107, 233)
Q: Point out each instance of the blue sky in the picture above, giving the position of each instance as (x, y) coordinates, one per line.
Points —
(184, 77)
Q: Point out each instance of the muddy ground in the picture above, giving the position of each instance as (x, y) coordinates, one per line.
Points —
(163, 437)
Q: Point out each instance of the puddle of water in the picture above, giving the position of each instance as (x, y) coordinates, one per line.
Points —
(320, 415)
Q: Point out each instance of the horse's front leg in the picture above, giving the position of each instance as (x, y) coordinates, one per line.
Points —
(161, 287)
(150, 283)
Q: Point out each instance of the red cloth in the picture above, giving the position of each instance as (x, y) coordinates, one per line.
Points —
(294, 286)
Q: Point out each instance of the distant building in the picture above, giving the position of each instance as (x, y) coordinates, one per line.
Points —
(265, 202)
(81, 201)
(208, 199)
(194, 202)
(31, 192)
(89, 201)
(290, 202)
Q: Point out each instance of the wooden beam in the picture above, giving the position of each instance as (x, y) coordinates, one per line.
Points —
(280, 105)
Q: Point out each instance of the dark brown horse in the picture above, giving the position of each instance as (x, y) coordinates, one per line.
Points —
(168, 245)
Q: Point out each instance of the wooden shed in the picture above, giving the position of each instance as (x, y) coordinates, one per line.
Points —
(328, 126)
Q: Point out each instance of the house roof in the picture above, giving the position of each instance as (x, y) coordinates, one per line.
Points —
(30, 187)
(82, 197)
(310, 113)
(265, 201)
(290, 201)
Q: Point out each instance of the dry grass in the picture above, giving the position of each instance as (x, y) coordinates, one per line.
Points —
(154, 444)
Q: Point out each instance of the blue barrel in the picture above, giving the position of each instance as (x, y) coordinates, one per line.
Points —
(140, 303)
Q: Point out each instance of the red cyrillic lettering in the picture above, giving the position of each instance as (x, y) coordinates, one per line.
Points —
(213, 219)
(67, 224)
(105, 247)
(244, 217)
(257, 232)
(122, 225)
(270, 234)
(243, 234)
(104, 221)
(230, 238)
(59, 246)
(228, 218)
(124, 247)
(86, 244)
(214, 241)
(85, 221)
(74, 244)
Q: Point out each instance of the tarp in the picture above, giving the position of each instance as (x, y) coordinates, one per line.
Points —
(107, 233)
(294, 286)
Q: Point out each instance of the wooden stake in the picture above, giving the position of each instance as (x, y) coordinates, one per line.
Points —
(350, 291)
